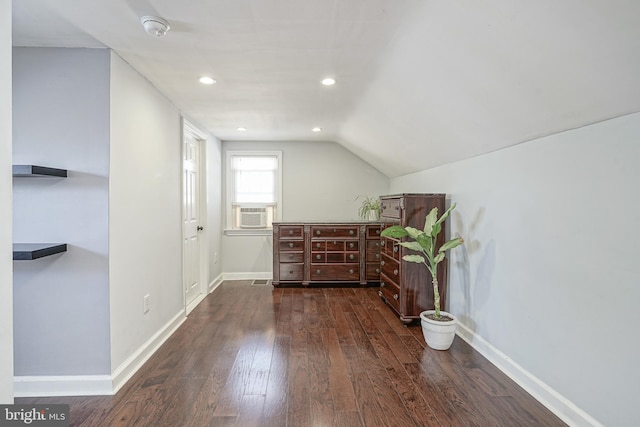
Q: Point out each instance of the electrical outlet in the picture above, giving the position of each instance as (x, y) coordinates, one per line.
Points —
(146, 303)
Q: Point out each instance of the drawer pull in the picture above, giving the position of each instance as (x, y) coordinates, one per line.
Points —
(351, 271)
(290, 232)
(377, 244)
(290, 271)
(318, 257)
(395, 271)
(335, 243)
(290, 245)
(351, 256)
(351, 232)
(317, 245)
(382, 262)
(395, 249)
(380, 294)
(290, 256)
(351, 245)
(382, 284)
(334, 230)
(318, 232)
(377, 271)
(317, 271)
(382, 243)
(395, 297)
(377, 231)
(377, 256)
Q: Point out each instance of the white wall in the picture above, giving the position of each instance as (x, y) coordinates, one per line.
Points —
(144, 211)
(547, 275)
(321, 181)
(213, 156)
(61, 119)
(6, 281)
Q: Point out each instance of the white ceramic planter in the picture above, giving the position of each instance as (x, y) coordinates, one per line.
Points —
(438, 335)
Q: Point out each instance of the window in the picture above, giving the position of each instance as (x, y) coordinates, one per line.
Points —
(253, 190)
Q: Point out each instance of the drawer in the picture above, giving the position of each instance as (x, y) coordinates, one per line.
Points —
(373, 271)
(373, 250)
(330, 232)
(347, 272)
(318, 257)
(293, 272)
(390, 292)
(351, 257)
(390, 267)
(373, 231)
(391, 247)
(291, 245)
(335, 245)
(291, 232)
(319, 245)
(291, 257)
(390, 208)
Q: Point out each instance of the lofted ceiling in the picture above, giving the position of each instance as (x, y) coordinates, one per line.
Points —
(420, 83)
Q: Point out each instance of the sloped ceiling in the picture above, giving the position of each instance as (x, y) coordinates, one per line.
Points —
(419, 83)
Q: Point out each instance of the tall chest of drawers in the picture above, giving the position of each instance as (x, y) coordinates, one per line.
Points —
(323, 252)
(406, 287)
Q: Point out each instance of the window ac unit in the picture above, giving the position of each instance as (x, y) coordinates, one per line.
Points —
(253, 217)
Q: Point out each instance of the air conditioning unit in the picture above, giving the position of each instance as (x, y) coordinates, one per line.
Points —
(253, 217)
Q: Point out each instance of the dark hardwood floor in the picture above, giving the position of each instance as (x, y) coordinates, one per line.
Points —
(259, 356)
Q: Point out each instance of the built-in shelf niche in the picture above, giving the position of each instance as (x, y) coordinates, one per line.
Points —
(31, 251)
(38, 171)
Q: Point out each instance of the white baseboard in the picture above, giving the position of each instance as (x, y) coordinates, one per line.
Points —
(215, 283)
(96, 385)
(66, 385)
(267, 275)
(562, 407)
(133, 363)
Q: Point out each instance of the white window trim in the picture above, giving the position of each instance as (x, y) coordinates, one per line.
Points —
(229, 230)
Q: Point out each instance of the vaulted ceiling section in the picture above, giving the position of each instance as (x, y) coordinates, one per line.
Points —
(420, 83)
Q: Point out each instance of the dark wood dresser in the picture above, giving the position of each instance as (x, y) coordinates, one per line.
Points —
(406, 286)
(326, 252)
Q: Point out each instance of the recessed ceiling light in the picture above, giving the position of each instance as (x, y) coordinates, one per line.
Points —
(329, 81)
(316, 129)
(206, 80)
(242, 129)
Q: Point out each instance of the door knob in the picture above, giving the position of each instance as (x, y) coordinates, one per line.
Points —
(199, 228)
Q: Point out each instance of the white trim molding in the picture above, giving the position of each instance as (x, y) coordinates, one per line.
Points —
(562, 407)
(96, 385)
(133, 363)
(65, 385)
(215, 283)
(248, 276)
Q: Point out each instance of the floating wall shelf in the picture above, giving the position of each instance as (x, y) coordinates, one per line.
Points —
(31, 251)
(32, 170)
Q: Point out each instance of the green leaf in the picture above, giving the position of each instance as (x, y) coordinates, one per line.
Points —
(413, 232)
(436, 229)
(413, 258)
(453, 243)
(430, 220)
(446, 214)
(438, 259)
(414, 246)
(426, 242)
(395, 231)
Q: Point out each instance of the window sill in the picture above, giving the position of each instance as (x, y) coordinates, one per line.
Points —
(249, 232)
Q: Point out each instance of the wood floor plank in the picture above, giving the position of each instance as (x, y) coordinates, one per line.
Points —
(302, 357)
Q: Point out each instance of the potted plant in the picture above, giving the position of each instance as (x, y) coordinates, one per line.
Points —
(438, 327)
(370, 208)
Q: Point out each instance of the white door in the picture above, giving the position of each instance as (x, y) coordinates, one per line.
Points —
(191, 217)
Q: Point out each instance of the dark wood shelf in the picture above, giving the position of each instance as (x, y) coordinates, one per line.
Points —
(33, 170)
(31, 251)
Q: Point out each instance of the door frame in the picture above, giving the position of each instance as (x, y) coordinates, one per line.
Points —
(189, 129)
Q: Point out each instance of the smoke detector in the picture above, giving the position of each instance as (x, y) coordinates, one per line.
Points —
(155, 26)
